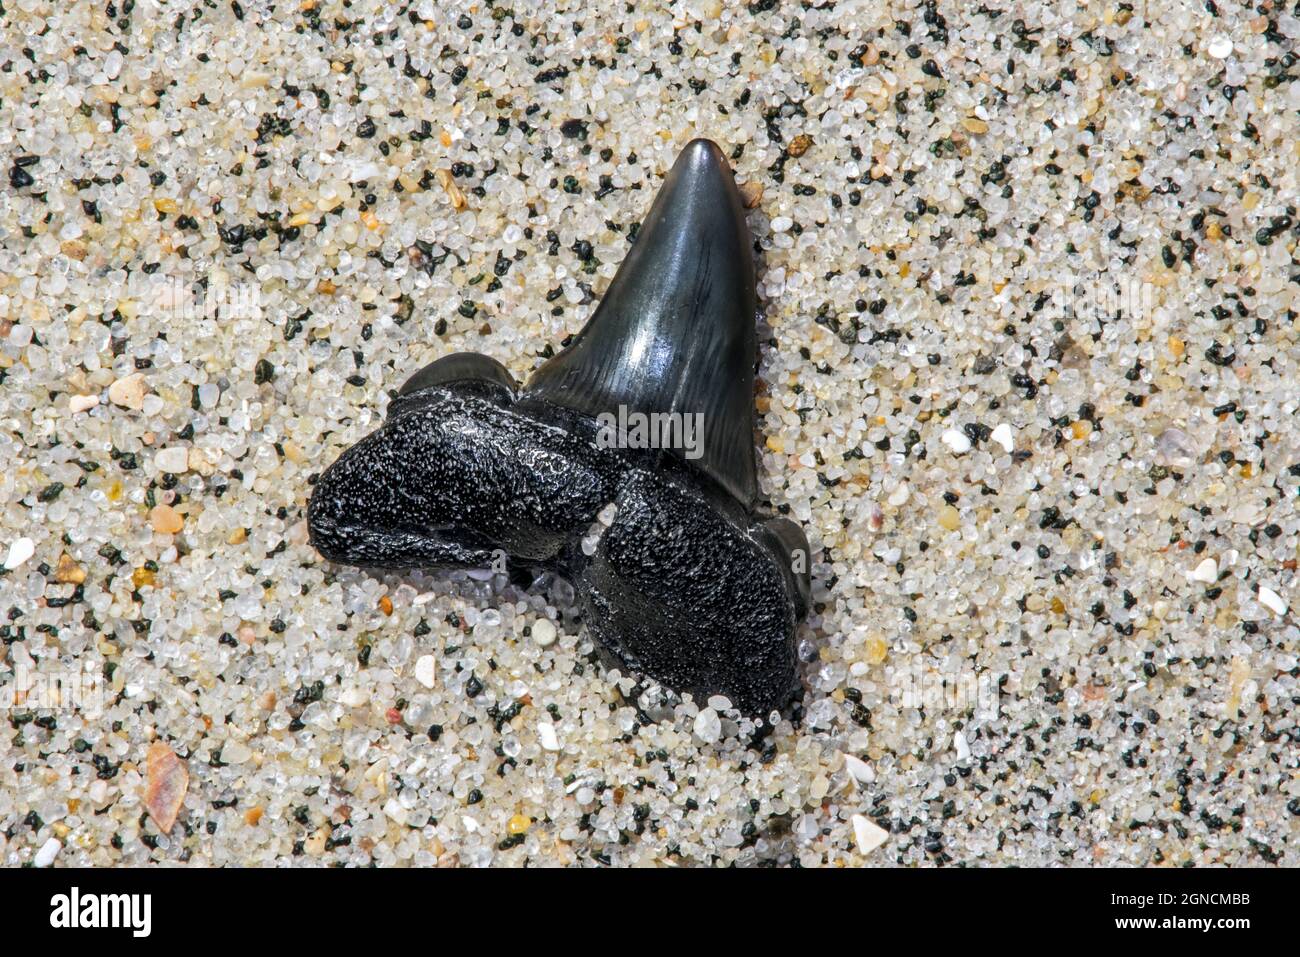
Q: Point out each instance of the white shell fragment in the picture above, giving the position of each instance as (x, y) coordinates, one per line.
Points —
(544, 632)
(1221, 47)
(424, 670)
(1003, 437)
(48, 852)
(961, 746)
(20, 550)
(957, 441)
(859, 770)
(868, 834)
(1272, 601)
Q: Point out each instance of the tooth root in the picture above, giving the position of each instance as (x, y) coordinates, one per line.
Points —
(705, 611)
(460, 367)
(675, 331)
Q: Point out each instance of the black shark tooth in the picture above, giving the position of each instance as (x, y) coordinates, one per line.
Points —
(688, 584)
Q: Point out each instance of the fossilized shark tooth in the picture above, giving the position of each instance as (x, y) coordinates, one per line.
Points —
(685, 581)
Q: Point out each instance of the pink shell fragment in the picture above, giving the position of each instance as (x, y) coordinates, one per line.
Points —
(166, 783)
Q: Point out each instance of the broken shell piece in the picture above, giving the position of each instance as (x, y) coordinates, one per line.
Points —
(166, 783)
(128, 392)
(1272, 601)
(868, 834)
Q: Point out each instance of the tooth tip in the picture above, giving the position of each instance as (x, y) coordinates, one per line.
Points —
(701, 168)
(703, 152)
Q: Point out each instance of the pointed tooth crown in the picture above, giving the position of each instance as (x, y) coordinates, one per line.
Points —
(674, 333)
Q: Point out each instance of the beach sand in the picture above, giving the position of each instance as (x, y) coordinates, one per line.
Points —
(1028, 379)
